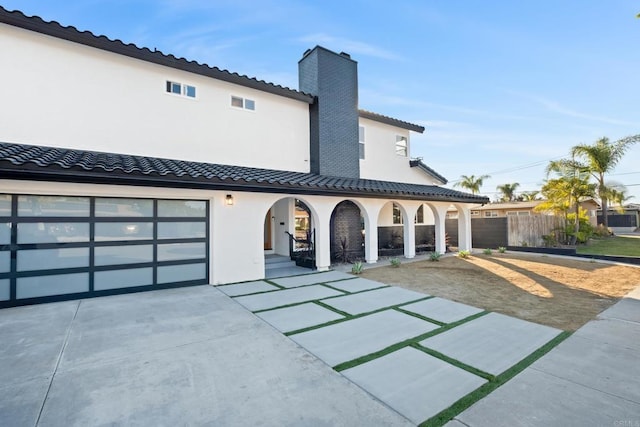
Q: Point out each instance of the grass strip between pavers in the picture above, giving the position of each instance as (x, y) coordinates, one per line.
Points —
(458, 364)
(328, 285)
(461, 405)
(408, 342)
(420, 316)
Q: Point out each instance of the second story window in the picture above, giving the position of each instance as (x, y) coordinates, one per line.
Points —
(361, 140)
(181, 89)
(244, 103)
(401, 145)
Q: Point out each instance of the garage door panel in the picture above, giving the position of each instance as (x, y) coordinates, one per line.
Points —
(58, 284)
(113, 231)
(50, 259)
(117, 279)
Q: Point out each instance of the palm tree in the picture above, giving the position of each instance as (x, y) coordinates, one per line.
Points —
(567, 191)
(508, 191)
(528, 196)
(601, 158)
(471, 183)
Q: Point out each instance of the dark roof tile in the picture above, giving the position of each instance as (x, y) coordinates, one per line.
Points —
(18, 161)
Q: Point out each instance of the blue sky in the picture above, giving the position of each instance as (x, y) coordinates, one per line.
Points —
(501, 86)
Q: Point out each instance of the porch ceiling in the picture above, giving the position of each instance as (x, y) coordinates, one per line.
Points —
(29, 162)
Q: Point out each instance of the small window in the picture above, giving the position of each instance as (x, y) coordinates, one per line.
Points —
(419, 219)
(524, 213)
(397, 214)
(512, 213)
(190, 91)
(180, 89)
(401, 145)
(361, 140)
(491, 214)
(239, 102)
(475, 213)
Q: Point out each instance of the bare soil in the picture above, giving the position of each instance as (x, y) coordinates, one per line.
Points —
(558, 292)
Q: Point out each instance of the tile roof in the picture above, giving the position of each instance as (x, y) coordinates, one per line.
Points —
(390, 121)
(18, 161)
(70, 33)
(420, 165)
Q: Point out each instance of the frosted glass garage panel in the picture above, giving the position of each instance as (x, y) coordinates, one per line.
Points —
(52, 232)
(110, 231)
(182, 208)
(122, 278)
(5, 261)
(5, 233)
(5, 205)
(181, 273)
(59, 284)
(5, 290)
(49, 259)
(107, 207)
(182, 230)
(179, 251)
(53, 206)
(111, 255)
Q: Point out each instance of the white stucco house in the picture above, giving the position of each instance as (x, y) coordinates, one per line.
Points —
(124, 169)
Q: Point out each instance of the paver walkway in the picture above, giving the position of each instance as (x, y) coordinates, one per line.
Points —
(590, 379)
(418, 354)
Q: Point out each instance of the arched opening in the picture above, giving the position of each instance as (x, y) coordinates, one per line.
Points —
(288, 237)
(391, 230)
(347, 233)
(425, 227)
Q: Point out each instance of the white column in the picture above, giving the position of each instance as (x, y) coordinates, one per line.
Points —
(464, 228)
(440, 214)
(370, 209)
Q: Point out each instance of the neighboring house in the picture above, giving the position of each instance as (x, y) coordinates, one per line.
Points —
(505, 209)
(124, 169)
(622, 220)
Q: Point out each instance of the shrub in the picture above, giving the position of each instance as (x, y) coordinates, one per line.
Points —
(502, 249)
(434, 256)
(464, 254)
(395, 262)
(357, 267)
(487, 251)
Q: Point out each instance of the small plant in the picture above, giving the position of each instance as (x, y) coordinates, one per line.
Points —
(435, 256)
(357, 267)
(395, 262)
(502, 249)
(487, 251)
(464, 254)
(524, 243)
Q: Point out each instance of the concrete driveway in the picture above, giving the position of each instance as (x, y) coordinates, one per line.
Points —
(187, 356)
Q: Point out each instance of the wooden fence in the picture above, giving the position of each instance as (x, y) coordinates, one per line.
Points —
(528, 230)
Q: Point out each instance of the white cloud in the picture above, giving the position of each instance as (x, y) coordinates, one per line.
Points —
(349, 46)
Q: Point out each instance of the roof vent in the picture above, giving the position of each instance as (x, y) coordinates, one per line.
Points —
(345, 54)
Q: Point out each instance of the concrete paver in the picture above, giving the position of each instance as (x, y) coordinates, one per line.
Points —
(356, 285)
(20, 402)
(492, 343)
(310, 279)
(365, 302)
(442, 310)
(247, 288)
(286, 296)
(613, 332)
(537, 399)
(414, 383)
(298, 317)
(351, 339)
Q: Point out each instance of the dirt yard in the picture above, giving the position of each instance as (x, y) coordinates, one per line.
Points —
(561, 293)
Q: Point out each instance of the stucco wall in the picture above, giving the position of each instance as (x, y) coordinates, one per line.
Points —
(381, 161)
(58, 93)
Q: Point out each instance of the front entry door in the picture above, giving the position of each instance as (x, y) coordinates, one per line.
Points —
(267, 232)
